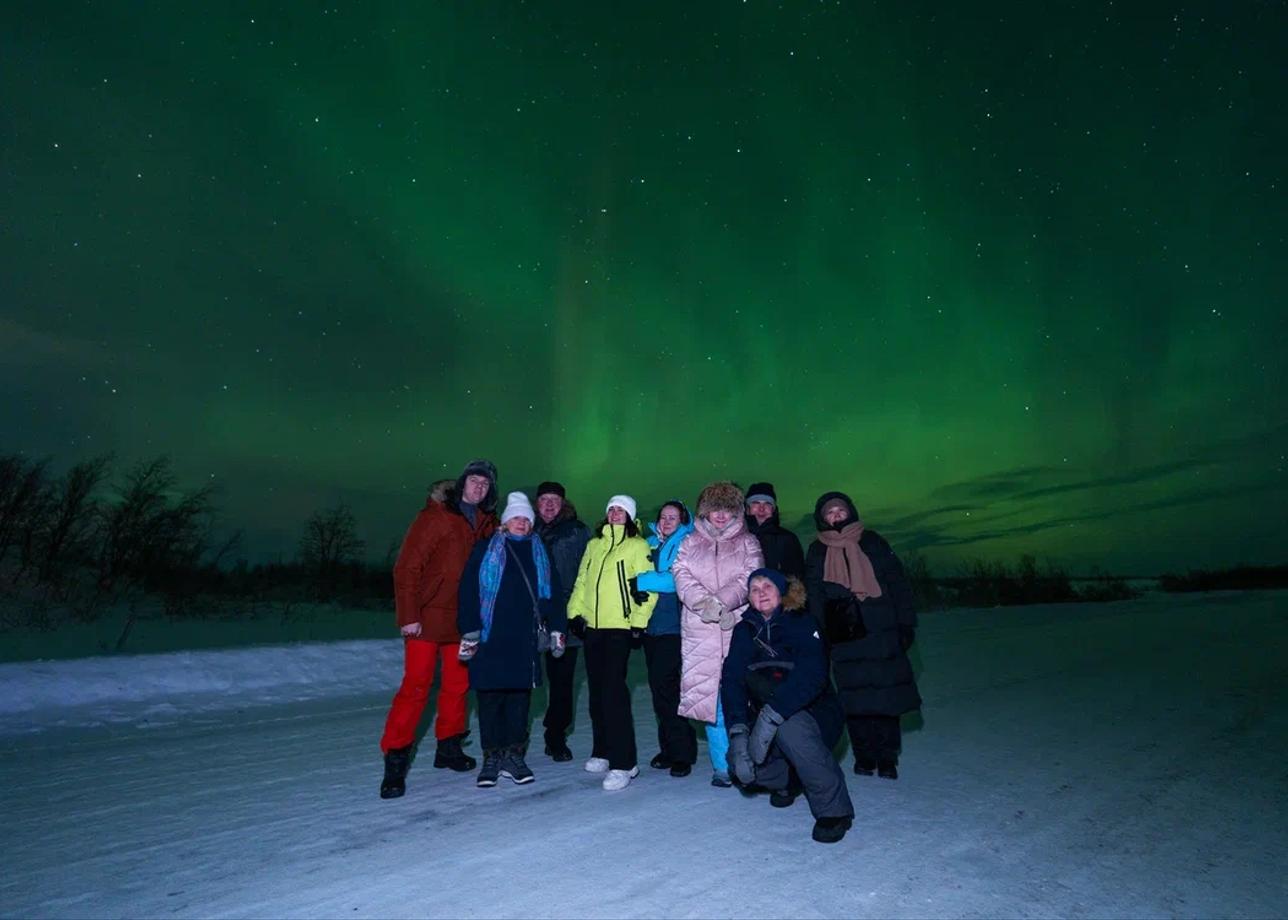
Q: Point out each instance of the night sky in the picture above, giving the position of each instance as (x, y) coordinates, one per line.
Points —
(1014, 275)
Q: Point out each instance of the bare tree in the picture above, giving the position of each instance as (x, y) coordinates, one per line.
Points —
(23, 490)
(330, 541)
(72, 516)
(151, 530)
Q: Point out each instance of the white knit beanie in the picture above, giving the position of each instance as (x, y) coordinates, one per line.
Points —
(622, 501)
(517, 505)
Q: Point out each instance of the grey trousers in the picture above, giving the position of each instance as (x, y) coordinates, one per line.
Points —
(799, 746)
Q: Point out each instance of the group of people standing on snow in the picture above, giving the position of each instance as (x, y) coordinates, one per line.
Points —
(741, 631)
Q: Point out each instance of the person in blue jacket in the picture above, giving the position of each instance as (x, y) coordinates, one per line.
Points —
(782, 713)
(675, 735)
(509, 592)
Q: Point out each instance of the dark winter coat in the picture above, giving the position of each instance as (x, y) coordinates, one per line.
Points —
(565, 538)
(429, 566)
(873, 674)
(781, 547)
(785, 655)
(508, 660)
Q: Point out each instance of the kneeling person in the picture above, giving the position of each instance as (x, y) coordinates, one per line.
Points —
(782, 713)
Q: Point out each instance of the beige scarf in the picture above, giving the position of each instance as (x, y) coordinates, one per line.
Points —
(847, 564)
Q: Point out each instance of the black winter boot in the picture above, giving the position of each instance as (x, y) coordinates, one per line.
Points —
(514, 766)
(830, 830)
(660, 762)
(450, 755)
(558, 751)
(785, 798)
(397, 760)
(888, 769)
(865, 766)
(491, 769)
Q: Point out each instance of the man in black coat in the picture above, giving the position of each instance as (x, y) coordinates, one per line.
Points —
(781, 547)
(565, 538)
(778, 702)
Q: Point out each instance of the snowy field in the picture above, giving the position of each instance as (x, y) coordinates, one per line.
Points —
(1125, 759)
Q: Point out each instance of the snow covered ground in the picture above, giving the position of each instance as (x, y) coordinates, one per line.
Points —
(1126, 759)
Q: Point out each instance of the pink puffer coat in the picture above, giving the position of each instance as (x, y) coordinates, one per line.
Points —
(710, 564)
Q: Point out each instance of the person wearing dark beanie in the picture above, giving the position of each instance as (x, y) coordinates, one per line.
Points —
(781, 547)
(426, 578)
(565, 538)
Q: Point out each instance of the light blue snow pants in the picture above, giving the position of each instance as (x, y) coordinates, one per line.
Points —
(718, 742)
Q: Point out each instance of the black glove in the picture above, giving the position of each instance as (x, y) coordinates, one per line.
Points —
(906, 637)
(638, 596)
(843, 619)
(577, 626)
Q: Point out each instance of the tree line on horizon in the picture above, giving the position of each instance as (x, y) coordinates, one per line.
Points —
(85, 541)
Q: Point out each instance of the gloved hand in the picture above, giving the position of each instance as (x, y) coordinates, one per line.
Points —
(728, 620)
(907, 635)
(638, 596)
(577, 626)
(411, 630)
(709, 610)
(469, 646)
(762, 733)
(739, 756)
(557, 644)
(637, 632)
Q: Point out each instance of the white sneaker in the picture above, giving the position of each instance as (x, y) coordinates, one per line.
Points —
(597, 765)
(620, 779)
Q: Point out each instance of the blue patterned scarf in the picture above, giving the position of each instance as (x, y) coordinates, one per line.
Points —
(493, 568)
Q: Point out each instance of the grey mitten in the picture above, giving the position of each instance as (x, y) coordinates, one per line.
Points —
(708, 609)
(739, 756)
(727, 619)
(469, 646)
(762, 733)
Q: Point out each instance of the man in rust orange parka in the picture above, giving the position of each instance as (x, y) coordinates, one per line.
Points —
(426, 577)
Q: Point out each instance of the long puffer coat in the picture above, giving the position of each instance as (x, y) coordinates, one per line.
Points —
(873, 674)
(717, 564)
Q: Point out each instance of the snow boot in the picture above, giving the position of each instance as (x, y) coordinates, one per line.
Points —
(491, 769)
(888, 769)
(721, 780)
(514, 766)
(830, 830)
(558, 751)
(449, 755)
(660, 762)
(616, 780)
(865, 766)
(785, 798)
(397, 762)
(679, 770)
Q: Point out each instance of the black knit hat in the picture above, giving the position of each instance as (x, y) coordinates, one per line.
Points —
(550, 487)
(759, 491)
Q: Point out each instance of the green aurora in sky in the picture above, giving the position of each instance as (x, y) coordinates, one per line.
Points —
(1013, 275)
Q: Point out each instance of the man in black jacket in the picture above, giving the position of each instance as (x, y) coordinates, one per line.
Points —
(781, 547)
(565, 538)
(782, 714)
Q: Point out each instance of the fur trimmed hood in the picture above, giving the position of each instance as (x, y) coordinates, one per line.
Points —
(723, 495)
(794, 599)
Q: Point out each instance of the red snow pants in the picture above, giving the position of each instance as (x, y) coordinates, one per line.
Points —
(420, 657)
